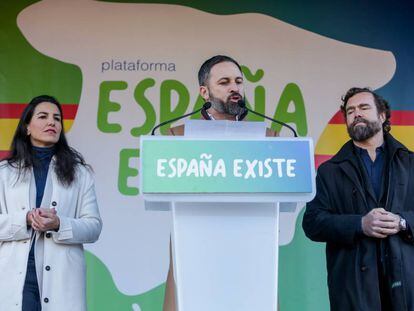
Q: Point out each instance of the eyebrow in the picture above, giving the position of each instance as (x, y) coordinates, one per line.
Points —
(359, 106)
(44, 112)
(228, 78)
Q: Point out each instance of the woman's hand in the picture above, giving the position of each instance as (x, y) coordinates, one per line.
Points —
(29, 218)
(44, 219)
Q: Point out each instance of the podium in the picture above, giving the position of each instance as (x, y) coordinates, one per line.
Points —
(224, 188)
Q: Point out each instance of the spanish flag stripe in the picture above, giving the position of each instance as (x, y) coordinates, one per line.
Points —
(8, 126)
(3, 154)
(319, 159)
(398, 117)
(335, 135)
(14, 111)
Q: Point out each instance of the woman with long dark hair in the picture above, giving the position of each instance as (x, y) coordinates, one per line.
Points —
(48, 209)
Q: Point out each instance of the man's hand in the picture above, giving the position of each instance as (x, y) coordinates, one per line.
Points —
(379, 223)
(45, 219)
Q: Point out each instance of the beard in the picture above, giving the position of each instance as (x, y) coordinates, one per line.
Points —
(228, 106)
(360, 132)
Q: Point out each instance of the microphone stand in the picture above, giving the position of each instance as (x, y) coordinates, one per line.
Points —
(242, 104)
(206, 106)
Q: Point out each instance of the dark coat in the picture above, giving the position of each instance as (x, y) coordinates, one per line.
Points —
(334, 216)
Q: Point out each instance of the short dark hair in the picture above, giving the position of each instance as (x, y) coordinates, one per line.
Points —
(204, 72)
(21, 152)
(381, 103)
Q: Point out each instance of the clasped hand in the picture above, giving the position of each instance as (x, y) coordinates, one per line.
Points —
(379, 223)
(43, 219)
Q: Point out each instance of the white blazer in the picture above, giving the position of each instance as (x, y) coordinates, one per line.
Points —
(60, 262)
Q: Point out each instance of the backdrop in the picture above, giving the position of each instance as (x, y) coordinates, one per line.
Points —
(120, 67)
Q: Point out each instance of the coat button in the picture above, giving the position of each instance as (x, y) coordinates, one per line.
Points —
(46, 300)
(47, 268)
(54, 203)
(364, 268)
(48, 235)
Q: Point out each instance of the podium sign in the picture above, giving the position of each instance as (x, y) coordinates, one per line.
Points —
(176, 165)
(224, 193)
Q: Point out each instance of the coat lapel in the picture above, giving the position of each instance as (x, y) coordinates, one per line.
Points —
(351, 172)
(47, 194)
(347, 161)
(399, 185)
(399, 178)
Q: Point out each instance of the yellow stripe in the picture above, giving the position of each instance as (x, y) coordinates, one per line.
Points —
(332, 139)
(335, 135)
(405, 134)
(67, 124)
(8, 126)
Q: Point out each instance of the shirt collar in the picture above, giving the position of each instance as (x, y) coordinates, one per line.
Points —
(362, 151)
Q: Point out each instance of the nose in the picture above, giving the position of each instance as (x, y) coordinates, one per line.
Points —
(234, 87)
(358, 112)
(51, 121)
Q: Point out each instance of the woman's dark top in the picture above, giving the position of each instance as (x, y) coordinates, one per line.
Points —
(31, 296)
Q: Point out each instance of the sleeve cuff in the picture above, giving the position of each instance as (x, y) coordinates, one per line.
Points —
(19, 229)
(65, 230)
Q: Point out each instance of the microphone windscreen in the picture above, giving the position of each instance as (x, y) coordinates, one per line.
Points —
(207, 105)
(241, 103)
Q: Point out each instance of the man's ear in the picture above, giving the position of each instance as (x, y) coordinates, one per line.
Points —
(382, 117)
(204, 93)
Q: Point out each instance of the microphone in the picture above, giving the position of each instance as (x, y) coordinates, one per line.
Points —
(205, 107)
(242, 104)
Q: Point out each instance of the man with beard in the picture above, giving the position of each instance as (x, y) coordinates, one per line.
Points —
(221, 83)
(364, 211)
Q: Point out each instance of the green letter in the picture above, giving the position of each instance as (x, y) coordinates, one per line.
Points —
(291, 93)
(259, 93)
(259, 104)
(105, 106)
(125, 171)
(198, 104)
(167, 87)
(146, 106)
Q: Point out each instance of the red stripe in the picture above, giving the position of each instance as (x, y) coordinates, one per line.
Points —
(398, 117)
(338, 118)
(69, 111)
(320, 158)
(401, 117)
(3, 154)
(14, 111)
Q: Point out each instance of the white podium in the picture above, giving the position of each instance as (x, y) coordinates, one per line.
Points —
(225, 220)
